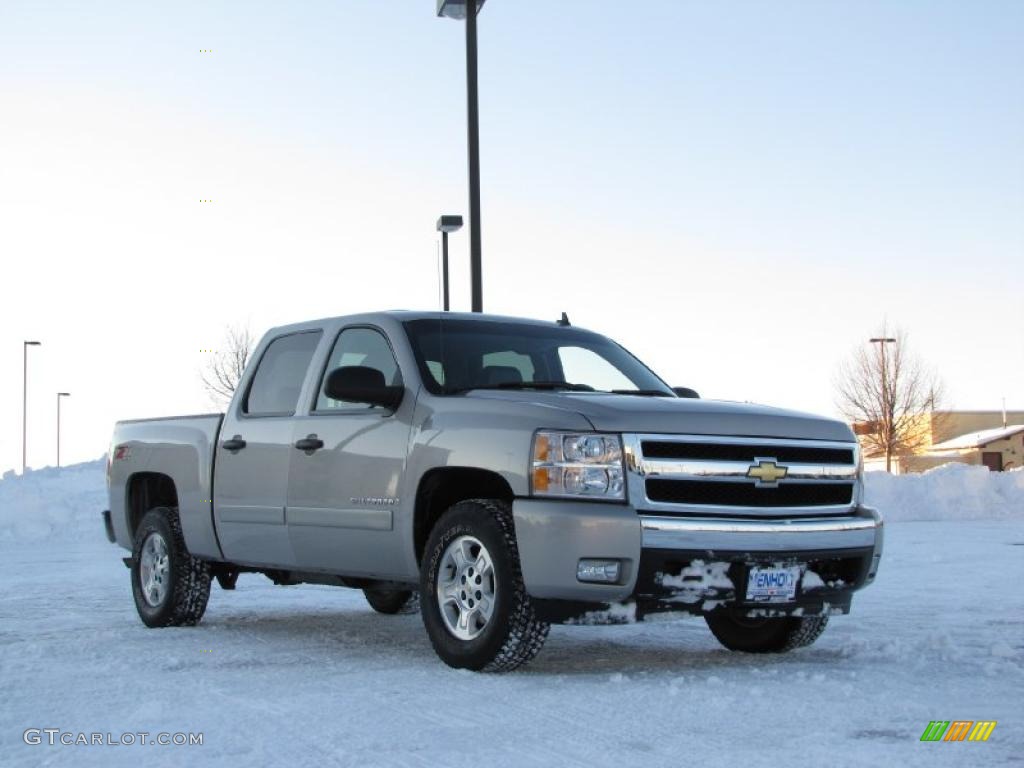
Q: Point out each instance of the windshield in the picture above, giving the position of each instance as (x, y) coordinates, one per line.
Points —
(459, 355)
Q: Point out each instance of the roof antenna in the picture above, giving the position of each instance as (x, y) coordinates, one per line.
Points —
(564, 320)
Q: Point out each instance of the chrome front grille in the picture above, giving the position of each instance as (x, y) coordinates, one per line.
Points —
(740, 477)
(704, 451)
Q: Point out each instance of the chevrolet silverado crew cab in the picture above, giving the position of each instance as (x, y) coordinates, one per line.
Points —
(503, 473)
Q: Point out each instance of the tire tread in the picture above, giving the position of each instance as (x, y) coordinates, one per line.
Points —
(524, 633)
(192, 576)
(781, 635)
(809, 630)
(393, 602)
(527, 633)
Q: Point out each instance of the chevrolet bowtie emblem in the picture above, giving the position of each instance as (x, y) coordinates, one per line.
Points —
(766, 472)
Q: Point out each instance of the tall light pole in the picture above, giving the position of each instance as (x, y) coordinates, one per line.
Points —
(886, 410)
(24, 400)
(59, 396)
(468, 10)
(447, 224)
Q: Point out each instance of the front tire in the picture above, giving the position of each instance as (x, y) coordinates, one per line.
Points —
(170, 587)
(474, 604)
(765, 635)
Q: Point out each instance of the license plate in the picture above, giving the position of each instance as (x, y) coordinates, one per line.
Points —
(772, 585)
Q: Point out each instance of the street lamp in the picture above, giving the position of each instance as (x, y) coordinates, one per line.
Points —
(461, 9)
(881, 341)
(59, 396)
(24, 399)
(447, 224)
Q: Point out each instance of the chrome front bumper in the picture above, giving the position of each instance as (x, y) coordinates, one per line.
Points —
(554, 535)
(859, 531)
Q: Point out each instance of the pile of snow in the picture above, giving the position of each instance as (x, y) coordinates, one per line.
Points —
(54, 503)
(66, 502)
(949, 492)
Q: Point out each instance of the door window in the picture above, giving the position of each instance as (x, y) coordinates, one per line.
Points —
(275, 386)
(358, 346)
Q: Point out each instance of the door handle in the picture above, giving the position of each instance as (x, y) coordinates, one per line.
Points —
(235, 444)
(309, 444)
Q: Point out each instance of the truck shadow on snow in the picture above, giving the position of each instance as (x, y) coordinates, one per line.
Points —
(339, 638)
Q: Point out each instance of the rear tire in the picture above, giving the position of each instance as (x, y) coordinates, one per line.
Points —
(770, 635)
(481, 617)
(170, 587)
(392, 601)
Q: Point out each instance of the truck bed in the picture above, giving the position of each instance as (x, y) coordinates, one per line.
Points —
(180, 447)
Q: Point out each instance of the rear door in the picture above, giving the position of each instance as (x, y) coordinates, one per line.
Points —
(255, 449)
(343, 497)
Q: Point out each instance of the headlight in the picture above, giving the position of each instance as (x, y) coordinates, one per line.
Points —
(577, 464)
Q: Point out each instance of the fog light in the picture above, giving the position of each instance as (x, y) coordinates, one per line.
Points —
(603, 571)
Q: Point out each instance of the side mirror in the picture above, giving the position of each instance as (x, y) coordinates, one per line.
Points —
(359, 384)
(685, 392)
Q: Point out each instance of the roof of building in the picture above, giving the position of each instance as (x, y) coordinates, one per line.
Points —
(977, 439)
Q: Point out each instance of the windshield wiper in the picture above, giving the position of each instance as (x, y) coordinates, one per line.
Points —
(528, 385)
(641, 392)
(541, 385)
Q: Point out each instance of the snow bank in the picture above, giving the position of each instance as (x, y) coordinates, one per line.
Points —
(949, 492)
(54, 503)
(66, 502)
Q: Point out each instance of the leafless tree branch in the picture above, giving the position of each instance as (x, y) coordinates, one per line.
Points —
(891, 395)
(223, 370)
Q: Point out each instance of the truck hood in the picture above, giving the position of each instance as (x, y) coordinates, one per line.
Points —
(628, 413)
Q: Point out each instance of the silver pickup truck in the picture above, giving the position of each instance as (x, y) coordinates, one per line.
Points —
(502, 473)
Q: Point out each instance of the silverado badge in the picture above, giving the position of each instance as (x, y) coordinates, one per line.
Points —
(374, 501)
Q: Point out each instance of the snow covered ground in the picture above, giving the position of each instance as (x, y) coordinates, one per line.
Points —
(311, 676)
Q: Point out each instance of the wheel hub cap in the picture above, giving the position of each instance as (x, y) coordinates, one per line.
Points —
(154, 570)
(465, 587)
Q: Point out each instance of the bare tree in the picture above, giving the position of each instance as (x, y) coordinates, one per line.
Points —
(890, 395)
(223, 370)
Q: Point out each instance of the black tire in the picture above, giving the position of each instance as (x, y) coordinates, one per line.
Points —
(391, 601)
(513, 635)
(187, 585)
(767, 635)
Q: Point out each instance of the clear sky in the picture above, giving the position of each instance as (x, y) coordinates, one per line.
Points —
(739, 192)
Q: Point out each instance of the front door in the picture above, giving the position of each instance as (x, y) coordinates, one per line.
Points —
(343, 496)
(252, 462)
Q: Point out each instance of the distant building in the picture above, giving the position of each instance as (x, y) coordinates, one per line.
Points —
(965, 437)
(998, 449)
